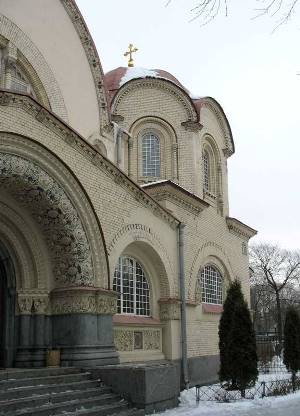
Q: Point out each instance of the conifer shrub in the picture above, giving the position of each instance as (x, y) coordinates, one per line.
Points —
(291, 345)
(238, 358)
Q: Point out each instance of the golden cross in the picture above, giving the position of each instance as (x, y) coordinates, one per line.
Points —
(131, 50)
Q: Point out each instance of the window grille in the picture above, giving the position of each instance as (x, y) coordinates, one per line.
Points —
(133, 288)
(212, 287)
(151, 155)
(206, 167)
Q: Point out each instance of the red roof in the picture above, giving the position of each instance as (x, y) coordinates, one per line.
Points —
(113, 78)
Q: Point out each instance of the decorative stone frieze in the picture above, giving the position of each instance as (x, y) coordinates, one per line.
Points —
(83, 300)
(124, 339)
(169, 309)
(25, 304)
(152, 339)
(239, 229)
(33, 301)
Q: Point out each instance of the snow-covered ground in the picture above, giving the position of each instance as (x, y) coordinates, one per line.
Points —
(288, 405)
(271, 406)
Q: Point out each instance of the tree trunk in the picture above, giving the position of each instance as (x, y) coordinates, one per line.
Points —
(294, 380)
(279, 320)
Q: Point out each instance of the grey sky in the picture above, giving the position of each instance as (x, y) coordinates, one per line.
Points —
(253, 75)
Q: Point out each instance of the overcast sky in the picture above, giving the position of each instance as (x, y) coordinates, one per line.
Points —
(251, 72)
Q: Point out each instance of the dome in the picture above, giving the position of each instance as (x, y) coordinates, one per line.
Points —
(114, 79)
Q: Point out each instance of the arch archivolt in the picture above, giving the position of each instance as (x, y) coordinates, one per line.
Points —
(168, 145)
(139, 241)
(42, 185)
(25, 247)
(209, 253)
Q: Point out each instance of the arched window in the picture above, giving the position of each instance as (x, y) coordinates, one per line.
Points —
(151, 155)
(131, 283)
(206, 170)
(19, 81)
(212, 285)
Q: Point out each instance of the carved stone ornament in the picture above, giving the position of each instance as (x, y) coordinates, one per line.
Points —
(25, 304)
(50, 206)
(169, 310)
(152, 339)
(83, 301)
(40, 305)
(124, 339)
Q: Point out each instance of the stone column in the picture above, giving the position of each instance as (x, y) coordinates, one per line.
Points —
(82, 325)
(23, 355)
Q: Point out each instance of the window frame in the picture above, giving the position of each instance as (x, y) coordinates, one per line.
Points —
(118, 286)
(219, 293)
(144, 166)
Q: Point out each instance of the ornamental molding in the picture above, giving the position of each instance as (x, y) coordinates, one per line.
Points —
(92, 57)
(229, 146)
(239, 229)
(54, 124)
(83, 300)
(192, 126)
(209, 248)
(161, 84)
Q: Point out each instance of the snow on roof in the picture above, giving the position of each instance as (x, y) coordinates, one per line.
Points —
(155, 182)
(138, 72)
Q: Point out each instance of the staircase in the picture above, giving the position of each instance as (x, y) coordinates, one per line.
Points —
(58, 392)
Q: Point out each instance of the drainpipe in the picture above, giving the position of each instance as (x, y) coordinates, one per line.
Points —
(184, 362)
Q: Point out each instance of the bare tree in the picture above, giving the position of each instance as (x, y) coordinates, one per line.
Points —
(277, 268)
(207, 10)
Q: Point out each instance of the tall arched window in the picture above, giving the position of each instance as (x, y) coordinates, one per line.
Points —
(151, 155)
(212, 285)
(206, 170)
(131, 283)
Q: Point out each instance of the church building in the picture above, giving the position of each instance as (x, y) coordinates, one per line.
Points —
(116, 240)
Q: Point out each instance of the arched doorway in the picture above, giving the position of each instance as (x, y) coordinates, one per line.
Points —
(7, 309)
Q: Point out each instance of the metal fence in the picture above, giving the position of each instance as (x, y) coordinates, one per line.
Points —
(269, 351)
(218, 393)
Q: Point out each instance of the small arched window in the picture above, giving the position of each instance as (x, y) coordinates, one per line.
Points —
(19, 81)
(212, 285)
(132, 285)
(151, 155)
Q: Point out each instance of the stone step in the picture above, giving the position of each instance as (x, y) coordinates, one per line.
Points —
(104, 405)
(52, 398)
(16, 373)
(113, 410)
(37, 381)
(23, 392)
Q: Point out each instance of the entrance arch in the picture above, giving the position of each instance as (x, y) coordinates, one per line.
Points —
(7, 309)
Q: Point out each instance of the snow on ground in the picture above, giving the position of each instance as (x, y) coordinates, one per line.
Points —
(288, 405)
(271, 406)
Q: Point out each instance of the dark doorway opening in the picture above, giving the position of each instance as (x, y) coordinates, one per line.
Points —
(7, 309)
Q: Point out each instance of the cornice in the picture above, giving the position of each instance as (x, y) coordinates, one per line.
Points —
(238, 228)
(73, 139)
(92, 57)
(169, 190)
